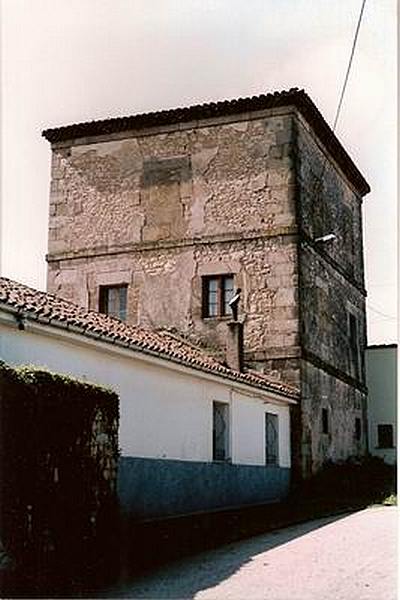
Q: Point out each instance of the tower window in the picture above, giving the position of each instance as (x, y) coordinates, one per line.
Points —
(217, 291)
(353, 343)
(357, 429)
(113, 300)
(325, 420)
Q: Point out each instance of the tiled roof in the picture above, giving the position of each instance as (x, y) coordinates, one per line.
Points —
(48, 309)
(292, 97)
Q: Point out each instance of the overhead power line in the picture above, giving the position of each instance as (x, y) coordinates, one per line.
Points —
(349, 66)
(318, 184)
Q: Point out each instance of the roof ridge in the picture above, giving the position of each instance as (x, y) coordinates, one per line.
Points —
(209, 107)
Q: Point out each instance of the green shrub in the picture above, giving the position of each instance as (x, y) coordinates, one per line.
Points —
(59, 448)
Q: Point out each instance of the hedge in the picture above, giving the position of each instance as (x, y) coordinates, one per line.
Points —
(59, 457)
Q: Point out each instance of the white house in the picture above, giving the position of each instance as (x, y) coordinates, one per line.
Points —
(194, 434)
(381, 367)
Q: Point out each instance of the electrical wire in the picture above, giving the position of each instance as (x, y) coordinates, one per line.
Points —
(342, 93)
(349, 66)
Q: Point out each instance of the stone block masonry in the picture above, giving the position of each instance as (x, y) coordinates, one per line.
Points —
(245, 195)
(165, 287)
(171, 186)
(172, 208)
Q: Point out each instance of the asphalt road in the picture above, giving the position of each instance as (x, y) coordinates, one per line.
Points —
(348, 557)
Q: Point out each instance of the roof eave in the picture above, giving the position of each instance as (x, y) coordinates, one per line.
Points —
(293, 97)
(288, 396)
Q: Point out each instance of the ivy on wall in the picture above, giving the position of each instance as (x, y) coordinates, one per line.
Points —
(59, 458)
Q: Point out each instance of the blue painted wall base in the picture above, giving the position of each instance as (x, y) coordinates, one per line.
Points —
(159, 487)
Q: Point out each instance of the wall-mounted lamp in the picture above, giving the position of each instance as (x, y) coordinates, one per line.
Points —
(234, 304)
(329, 237)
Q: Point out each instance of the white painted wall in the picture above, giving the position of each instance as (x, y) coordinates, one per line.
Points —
(166, 411)
(248, 430)
(381, 368)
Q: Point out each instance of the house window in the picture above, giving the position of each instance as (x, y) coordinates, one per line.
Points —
(357, 429)
(325, 420)
(385, 436)
(353, 342)
(112, 301)
(271, 439)
(217, 291)
(220, 431)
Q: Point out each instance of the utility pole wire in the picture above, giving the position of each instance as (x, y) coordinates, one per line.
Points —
(349, 66)
(318, 185)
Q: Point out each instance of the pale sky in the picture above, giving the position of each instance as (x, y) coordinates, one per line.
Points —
(66, 61)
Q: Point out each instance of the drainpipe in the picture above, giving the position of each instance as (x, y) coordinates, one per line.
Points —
(234, 346)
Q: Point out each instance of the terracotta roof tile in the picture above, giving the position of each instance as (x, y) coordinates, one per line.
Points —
(293, 97)
(48, 308)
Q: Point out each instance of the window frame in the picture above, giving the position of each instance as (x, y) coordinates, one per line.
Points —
(226, 442)
(380, 442)
(325, 429)
(222, 312)
(357, 429)
(272, 460)
(354, 349)
(104, 300)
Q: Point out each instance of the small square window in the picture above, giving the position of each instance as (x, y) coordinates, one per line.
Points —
(385, 436)
(217, 292)
(113, 300)
(325, 420)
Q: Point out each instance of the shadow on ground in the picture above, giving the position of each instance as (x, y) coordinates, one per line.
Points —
(145, 546)
(337, 490)
(206, 570)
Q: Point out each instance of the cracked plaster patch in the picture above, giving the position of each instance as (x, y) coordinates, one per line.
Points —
(201, 160)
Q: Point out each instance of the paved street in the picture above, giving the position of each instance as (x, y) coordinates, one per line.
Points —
(350, 557)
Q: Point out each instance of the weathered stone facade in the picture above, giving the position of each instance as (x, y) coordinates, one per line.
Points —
(161, 208)
(331, 283)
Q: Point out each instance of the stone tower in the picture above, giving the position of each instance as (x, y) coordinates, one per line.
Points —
(157, 218)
